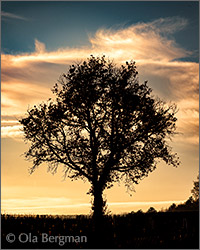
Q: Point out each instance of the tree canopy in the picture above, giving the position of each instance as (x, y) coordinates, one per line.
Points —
(103, 126)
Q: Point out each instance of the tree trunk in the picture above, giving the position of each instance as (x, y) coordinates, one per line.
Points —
(98, 204)
(98, 217)
(102, 236)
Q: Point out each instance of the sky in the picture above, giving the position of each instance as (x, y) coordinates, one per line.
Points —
(39, 40)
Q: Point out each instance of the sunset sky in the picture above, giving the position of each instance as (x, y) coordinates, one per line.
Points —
(39, 41)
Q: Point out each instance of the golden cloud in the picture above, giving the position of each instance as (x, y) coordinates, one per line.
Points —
(61, 204)
(28, 78)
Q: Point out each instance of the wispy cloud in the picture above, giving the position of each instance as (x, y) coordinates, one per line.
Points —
(11, 131)
(156, 57)
(7, 15)
(39, 47)
(41, 204)
(143, 41)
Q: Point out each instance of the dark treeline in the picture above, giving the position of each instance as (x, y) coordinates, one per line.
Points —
(134, 230)
(189, 205)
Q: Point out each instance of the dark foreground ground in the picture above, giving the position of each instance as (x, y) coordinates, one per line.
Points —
(167, 230)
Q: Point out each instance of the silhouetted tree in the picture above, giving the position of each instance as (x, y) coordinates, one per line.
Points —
(139, 211)
(189, 202)
(195, 190)
(172, 207)
(151, 210)
(103, 127)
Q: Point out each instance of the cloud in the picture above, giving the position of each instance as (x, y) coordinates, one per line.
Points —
(7, 15)
(39, 47)
(28, 78)
(60, 204)
(143, 41)
(11, 131)
(165, 26)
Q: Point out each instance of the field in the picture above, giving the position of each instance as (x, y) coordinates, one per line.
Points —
(134, 230)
